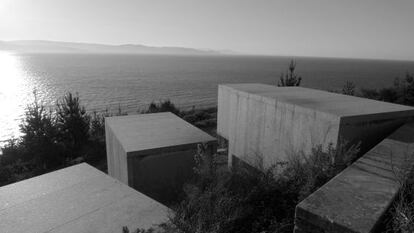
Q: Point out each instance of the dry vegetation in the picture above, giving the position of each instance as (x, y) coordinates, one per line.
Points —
(222, 201)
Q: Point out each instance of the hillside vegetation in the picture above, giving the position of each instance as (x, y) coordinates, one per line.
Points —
(67, 134)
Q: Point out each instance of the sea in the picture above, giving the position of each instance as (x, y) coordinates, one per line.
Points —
(108, 82)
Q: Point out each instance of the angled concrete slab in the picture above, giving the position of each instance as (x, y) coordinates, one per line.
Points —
(78, 199)
(153, 153)
(356, 200)
(265, 124)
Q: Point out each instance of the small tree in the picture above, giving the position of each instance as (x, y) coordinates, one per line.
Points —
(97, 127)
(40, 136)
(402, 92)
(290, 78)
(405, 89)
(73, 123)
(348, 88)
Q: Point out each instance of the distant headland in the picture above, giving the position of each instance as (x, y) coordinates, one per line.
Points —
(44, 46)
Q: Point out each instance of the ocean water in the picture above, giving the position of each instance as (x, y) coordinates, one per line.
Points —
(133, 81)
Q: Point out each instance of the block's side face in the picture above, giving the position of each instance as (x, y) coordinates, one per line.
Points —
(354, 201)
(161, 175)
(238, 110)
(116, 156)
(223, 111)
(264, 131)
(109, 138)
(122, 165)
(292, 129)
(307, 222)
(357, 199)
(369, 130)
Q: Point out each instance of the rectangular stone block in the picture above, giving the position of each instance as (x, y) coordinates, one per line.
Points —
(265, 124)
(77, 199)
(153, 153)
(356, 200)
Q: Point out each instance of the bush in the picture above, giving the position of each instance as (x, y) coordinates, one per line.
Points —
(12, 151)
(97, 127)
(402, 92)
(40, 140)
(51, 139)
(220, 200)
(370, 93)
(400, 217)
(312, 171)
(205, 124)
(403, 211)
(73, 124)
(348, 88)
(290, 78)
(67, 134)
(162, 106)
(205, 119)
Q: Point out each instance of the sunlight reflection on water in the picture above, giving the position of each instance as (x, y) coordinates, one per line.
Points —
(15, 92)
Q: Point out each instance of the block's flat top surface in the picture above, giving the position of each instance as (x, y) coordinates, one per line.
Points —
(359, 196)
(77, 199)
(323, 101)
(152, 131)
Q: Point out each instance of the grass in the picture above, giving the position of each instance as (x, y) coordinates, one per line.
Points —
(400, 217)
(222, 201)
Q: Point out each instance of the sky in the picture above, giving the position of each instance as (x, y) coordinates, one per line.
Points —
(382, 29)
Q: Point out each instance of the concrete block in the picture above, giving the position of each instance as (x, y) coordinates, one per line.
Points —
(265, 124)
(356, 200)
(153, 153)
(77, 199)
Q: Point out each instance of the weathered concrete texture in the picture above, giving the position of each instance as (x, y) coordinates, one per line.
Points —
(265, 124)
(357, 198)
(153, 153)
(78, 199)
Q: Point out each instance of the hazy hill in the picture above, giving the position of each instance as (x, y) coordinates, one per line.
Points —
(39, 46)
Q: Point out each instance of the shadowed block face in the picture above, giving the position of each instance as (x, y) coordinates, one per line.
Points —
(358, 198)
(153, 153)
(77, 199)
(265, 124)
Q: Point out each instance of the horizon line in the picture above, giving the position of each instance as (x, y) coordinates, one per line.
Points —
(220, 52)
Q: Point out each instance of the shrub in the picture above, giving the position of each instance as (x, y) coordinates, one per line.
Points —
(312, 171)
(290, 78)
(403, 210)
(370, 93)
(190, 118)
(205, 124)
(40, 140)
(73, 123)
(6, 175)
(400, 217)
(97, 126)
(12, 151)
(220, 200)
(51, 138)
(402, 92)
(348, 88)
(162, 106)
